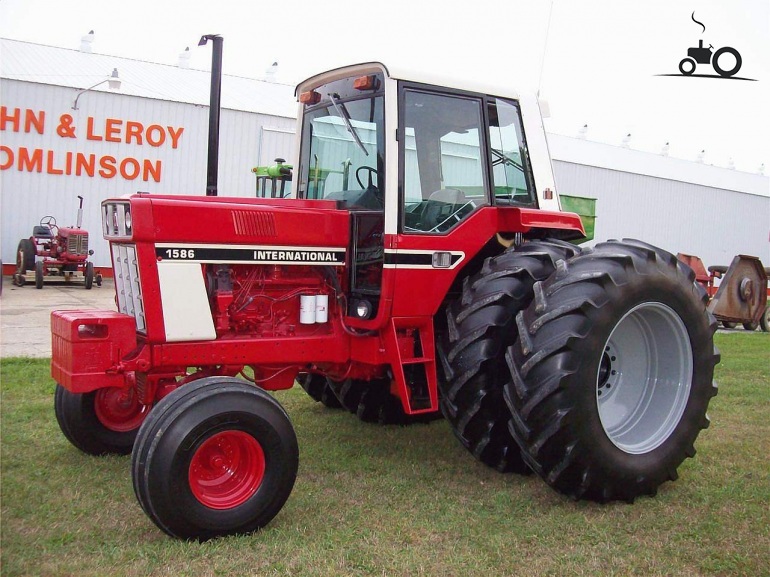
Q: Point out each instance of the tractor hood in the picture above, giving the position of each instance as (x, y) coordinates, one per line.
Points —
(228, 222)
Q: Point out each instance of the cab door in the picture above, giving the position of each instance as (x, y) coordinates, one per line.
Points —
(444, 182)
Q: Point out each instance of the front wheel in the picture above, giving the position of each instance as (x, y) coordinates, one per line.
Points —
(612, 373)
(687, 66)
(89, 275)
(216, 457)
(102, 422)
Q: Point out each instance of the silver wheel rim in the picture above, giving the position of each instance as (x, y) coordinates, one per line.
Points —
(644, 378)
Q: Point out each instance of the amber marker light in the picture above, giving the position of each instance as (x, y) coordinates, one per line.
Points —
(364, 82)
(310, 97)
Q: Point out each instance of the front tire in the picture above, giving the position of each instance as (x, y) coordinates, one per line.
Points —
(102, 422)
(89, 275)
(216, 457)
(39, 274)
(612, 373)
(687, 66)
(481, 325)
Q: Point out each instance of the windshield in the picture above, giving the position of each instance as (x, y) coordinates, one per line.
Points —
(343, 149)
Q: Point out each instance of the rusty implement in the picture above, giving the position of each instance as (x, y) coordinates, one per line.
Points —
(742, 294)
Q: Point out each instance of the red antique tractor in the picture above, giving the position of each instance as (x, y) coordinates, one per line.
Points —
(408, 273)
(54, 251)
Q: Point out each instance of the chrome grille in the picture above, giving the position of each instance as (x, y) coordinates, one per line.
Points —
(127, 283)
(77, 244)
(116, 219)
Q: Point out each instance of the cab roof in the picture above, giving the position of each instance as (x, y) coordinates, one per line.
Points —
(409, 75)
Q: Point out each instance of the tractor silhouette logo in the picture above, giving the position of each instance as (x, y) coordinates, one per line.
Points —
(725, 61)
(701, 55)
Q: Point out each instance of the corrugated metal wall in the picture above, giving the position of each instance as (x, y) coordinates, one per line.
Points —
(36, 190)
(711, 223)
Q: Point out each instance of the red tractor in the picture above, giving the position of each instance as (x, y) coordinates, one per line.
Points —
(54, 251)
(421, 265)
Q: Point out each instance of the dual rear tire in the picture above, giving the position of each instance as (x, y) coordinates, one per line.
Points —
(319, 389)
(480, 326)
(609, 378)
(372, 402)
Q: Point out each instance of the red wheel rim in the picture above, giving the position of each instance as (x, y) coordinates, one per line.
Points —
(227, 469)
(119, 409)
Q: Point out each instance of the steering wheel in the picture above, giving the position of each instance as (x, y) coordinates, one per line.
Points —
(48, 221)
(371, 172)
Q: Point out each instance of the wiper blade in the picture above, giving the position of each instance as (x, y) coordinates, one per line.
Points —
(343, 112)
(500, 158)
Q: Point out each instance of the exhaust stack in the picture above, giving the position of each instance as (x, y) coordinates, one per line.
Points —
(214, 108)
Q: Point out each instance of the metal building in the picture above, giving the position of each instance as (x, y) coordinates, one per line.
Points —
(151, 135)
(682, 206)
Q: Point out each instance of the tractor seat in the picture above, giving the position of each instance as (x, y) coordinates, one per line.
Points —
(440, 206)
(42, 232)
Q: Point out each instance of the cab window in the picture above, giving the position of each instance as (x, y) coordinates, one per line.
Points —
(342, 155)
(508, 153)
(443, 160)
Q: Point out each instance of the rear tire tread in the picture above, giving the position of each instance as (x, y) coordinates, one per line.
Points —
(479, 325)
(543, 393)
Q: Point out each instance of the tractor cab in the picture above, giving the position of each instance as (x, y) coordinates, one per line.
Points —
(430, 173)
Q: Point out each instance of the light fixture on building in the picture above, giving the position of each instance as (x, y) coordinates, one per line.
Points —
(626, 142)
(270, 72)
(86, 42)
(113, 82)
(184, 59)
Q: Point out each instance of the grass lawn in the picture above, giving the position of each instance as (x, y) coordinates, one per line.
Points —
(373, 500)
